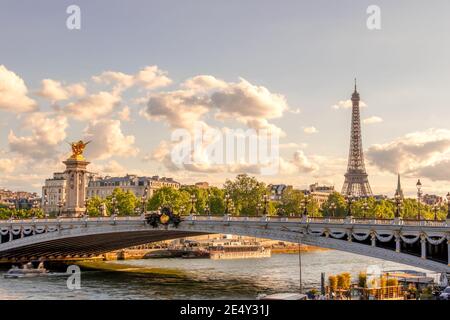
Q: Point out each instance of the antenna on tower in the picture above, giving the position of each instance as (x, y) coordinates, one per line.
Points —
(355, 84)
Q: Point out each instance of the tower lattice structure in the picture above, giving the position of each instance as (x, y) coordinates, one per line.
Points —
(356, 179)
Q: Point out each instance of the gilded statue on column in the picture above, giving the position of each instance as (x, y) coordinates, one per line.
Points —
(78, 149)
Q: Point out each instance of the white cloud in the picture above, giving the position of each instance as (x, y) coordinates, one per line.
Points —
(47, 132)
(150, 77)
(180, 109)
(125, 114)
(422, 152)
(310, 130)
(108, 140)
(93, 106)
(372, 120)
(112, 167)
(241, 101)
(56, 91)
(14, 93)
(346, 104)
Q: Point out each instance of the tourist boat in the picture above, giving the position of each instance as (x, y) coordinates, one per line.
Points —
(284, 296)
(26, 271)
(196, 254)
(238, 251)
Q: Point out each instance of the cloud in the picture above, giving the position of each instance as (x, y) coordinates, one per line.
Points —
(200, 95)
(112, 167)
(179, 109)
(93, 106)
(415, 153)
(108, 140)
(372, 120)
(150, 77)
(56, 91)
(125, 114)
(7, 165)
(310, 130)
(298, 164)
(346, 104)
(47, 132)
(14, 93)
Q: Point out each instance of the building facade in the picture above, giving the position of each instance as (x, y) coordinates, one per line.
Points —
(320, 193)
(54, 193)
(104, 186)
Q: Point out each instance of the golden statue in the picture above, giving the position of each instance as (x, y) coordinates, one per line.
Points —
(77, 149)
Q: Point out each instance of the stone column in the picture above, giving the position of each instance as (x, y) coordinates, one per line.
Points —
(448, 249)
(423, 247)
(349, 236)
(373, 238)
(10, 234)
(397, 242)
(76, 187)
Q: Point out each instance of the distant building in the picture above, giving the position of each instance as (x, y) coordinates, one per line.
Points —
(320, 193)
(202, 185)
(53, 193)
(103, 187)
(20, 199)
(276, 191)
(432, 199)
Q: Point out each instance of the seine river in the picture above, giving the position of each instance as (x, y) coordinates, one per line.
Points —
(196, 279)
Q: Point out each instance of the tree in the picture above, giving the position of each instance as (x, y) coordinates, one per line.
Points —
(339, 201)
(291, 201)
(168, 196)
(93, 206)
(246, 192)
(216, 201)
(126, 202)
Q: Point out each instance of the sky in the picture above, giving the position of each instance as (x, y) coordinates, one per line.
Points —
(136, 72)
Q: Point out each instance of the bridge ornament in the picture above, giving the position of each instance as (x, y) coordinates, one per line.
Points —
(163, 217)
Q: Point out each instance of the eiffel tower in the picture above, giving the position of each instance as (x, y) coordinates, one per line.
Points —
(356, 183)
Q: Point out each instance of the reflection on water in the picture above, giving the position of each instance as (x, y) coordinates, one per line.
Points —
(196, 279)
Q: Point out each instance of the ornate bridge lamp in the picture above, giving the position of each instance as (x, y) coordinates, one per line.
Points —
(12, 207)
(227, 203)
(435, 210)
(266, 203)
(45, 205)
(144, 200)
(114, 204)
(60, 206)
(304, 206)
(350, 200)
(365, 208)
(258, 208)
(193, 201)
(398, 205)
(448, 206)
(332, 207)
(419, 195)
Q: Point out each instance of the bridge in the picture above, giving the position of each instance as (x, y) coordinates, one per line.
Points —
(423, 244)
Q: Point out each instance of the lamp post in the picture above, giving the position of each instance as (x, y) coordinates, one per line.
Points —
(193, 201)
(227, 202)
(266, 202)
(12, 207)
(45, 205)
(398, 204)
(365, 209)
(144, 200)
(208, 204)
(304, 206)
(349, 205)
(448, 205)
(435, 209)
(333, 209)
(419, 195)
(60, 206)
(114, 203)
(182, 209)
(258, 208)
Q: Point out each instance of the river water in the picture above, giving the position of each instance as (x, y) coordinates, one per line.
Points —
(196, 278)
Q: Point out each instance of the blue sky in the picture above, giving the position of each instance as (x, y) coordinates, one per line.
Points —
(307, 51)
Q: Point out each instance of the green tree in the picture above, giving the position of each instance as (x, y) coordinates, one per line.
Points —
(246, 192)
(168, 196)
(339, 201)
(216, 201)
(126, 202)
(94, 206)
